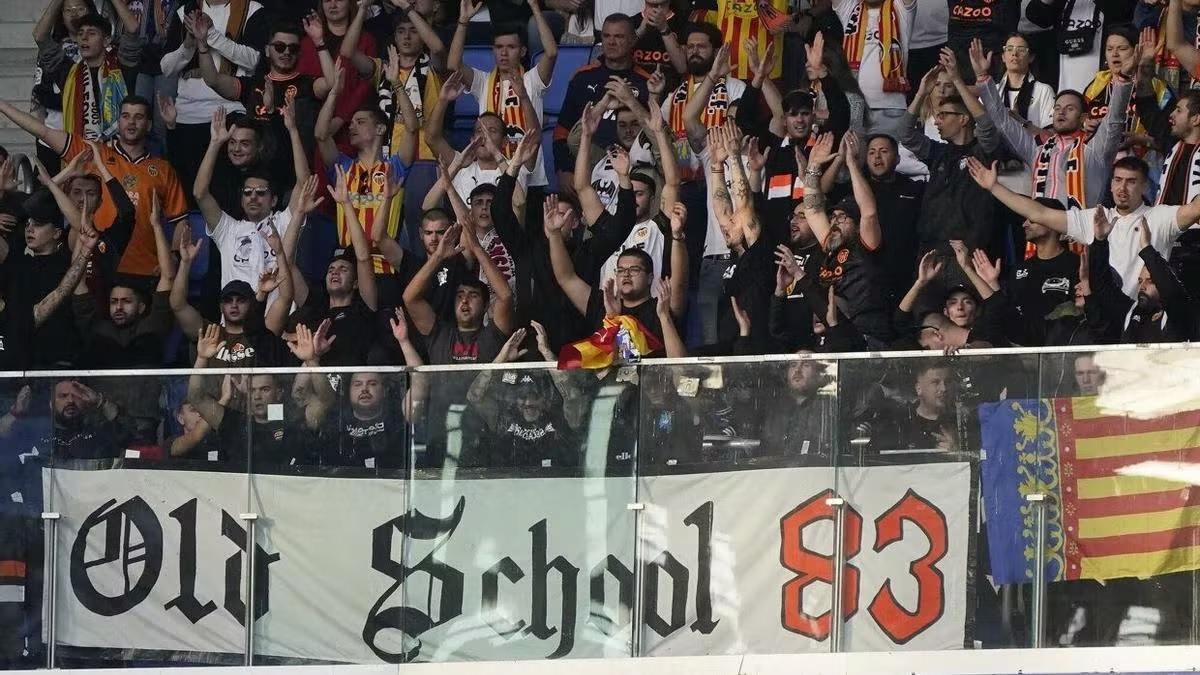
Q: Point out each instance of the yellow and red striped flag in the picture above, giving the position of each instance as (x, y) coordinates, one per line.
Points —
(620, 337)
(1103, 523)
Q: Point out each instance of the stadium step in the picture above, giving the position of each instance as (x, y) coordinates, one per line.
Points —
(16, 80)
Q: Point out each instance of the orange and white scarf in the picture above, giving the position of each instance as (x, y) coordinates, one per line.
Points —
(508, 106)
(891, 59)
(1073, 168)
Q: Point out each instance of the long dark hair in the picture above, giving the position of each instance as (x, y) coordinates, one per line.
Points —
(60, 31)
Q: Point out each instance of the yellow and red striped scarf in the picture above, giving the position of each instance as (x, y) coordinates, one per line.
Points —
(82, 112)
(891, 60)
(621, 336)
(713, 115)
(507, 105)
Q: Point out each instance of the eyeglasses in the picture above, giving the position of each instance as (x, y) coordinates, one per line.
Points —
(943, 114)
(289, 47)
(636, 269)
(1016, 49)
(257, 192)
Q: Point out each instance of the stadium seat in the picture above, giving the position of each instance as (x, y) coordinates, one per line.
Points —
(570, 59)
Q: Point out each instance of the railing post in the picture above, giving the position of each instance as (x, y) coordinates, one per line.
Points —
(836, 624)
(50, 520)
(250, 519)
(1038, 502)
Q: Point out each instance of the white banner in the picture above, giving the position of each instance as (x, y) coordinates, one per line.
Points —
(508, 568)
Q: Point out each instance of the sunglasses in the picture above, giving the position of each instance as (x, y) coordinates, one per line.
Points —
(258, 191)
(289, 47)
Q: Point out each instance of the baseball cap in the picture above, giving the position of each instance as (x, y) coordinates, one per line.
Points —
(237, 287)
(849, 207)
(41, 208)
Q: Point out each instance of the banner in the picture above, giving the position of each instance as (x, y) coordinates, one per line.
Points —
(1102, 521)
(374, 570)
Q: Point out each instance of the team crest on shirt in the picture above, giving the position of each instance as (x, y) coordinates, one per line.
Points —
(842, 256)
(279, 434)
(152, 170)
(379, 177)
(641, 233)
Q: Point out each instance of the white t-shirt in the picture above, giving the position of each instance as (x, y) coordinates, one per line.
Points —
(606, 7)
(473, 175)
(1123, 242)
(645, 236)
(245, 253)
(714, 240)
(195, 100)
(535, 88)
(604, 177)
(870, 74)
(1075, 72)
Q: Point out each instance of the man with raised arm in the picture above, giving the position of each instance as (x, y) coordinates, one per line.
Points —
(1066, 164)
(129, 162)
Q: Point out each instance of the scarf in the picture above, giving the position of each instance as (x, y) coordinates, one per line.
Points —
(891, 60)
(1178, 160)
(1099, 91)
(713, 115)
(507, 105)
(1074, 175)
(83, 112)
(1024, 94)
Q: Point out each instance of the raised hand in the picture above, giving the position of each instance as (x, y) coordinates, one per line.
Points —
(511, 351)
(679, 214)
(188, 250)
(929, 267)
(552, 221)
(391, 69)
(815, 55)
(453, 87)
(981, 63)
(721, 67)
(822, 153)
(961, 255)
(742, 317)
(399, 326)
(218, 131)
(654, 120)
(949, 63)
(322, 339)
(167, 111)
(619, 88)
(756, 159)
(663, 306)
(339, 191)
(314, 28)
(787, 270)
(97, 159)
(467, 10)
(449, 246)
(1101, 225)
(985, 176)
(209, 342)
(528, 148)
(1147, 47)
(591, 121)
(612, 303)
(986, 269)
(268, 281)
(619, 157)
(309, 201)
(732, 137)
(543, 341)
(716, 146)
(1143, 230)
(657, 83)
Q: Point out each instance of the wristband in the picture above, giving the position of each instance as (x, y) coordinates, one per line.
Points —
(813, 172)
(679, 238)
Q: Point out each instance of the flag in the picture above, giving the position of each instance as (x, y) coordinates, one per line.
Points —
(1101, 524)
(620, 336)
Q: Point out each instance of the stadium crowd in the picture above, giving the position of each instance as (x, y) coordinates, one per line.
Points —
(241, 183)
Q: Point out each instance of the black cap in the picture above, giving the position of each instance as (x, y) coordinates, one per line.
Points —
(41, 208)
(346, 254)
(849, 206)
(962, 288)
(237, 287)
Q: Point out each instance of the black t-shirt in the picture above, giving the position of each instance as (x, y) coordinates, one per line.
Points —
(375, 443)
(988, 20)
(859, 279)
(353, 325)
(646, 314)
(29, 279)
(16, 334)
(447, 344)
(751, 279)
(306, 108)
(899, 205)
(1038, 286)
(650, 51)
(275, 443)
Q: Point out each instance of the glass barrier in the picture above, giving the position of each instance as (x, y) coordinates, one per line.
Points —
(519, 530)
(677, 508)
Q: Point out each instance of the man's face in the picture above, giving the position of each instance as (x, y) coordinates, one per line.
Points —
(1118, 54)
(1182, 119)
(336, 10)
(616, 40)
(845, 226)
(804, 377)
(92, 42)
(42, 238)
(508, 52)
(340, 277)
(800, 232)
(633, 278)
(188, 417)
(366, 393)
(264, 391)
(1088, 376)
(283, 51)
(364, 130)
(469, 307)
(134, 123)
(256, 199)
(67, 403)
(949, 120)
(408, 41)
(85, 193)
(1148, 300)
(961, 308)
(481, 209)
(1068, 114)
(700, 52)
(570, 218)
(643, 199)
(1128, 188)
(234, 309)
(881, 158)
(798, 123)
(491, 127)
(242, 146)
(124, 306)
(72, 11)
(531, 404)
(628, 128)
(432, 232)
(1034, 231)
(933, 389)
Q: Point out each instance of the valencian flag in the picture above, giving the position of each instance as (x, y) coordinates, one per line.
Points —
(621, 337)
(1100, 524)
